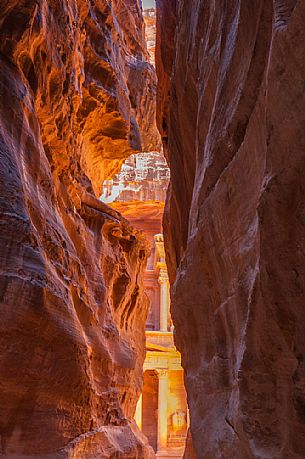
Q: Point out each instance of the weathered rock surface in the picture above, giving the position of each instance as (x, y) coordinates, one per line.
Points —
(144, 216)
(232, 114)
(189, 452)
(76, 98)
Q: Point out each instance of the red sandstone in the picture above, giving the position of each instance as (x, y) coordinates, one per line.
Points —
(76, 98)
(231, 113)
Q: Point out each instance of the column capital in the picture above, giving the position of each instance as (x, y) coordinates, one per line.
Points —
(163, 276)
(162, 373)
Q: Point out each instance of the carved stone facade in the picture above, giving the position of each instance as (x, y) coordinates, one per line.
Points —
(143, 177)
(162, 409)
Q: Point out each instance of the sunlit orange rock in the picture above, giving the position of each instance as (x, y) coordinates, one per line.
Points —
(76, 98)
(145, 216)
(232, 115)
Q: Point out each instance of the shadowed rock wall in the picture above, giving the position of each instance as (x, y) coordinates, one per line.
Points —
(231, 113)
(76, 98)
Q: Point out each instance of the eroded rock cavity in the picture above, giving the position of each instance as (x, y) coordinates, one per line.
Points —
(231, 113)
(77, 97)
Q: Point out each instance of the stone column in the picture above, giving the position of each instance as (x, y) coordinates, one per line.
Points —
(138, 413)
(164, 299)
(162, 410)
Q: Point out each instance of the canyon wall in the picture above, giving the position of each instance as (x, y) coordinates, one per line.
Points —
(77, 97)
(231, 113)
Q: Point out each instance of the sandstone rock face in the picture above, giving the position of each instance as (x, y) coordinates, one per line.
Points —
(144, 216)
(76, 98)
(232, 112)
(189, 452)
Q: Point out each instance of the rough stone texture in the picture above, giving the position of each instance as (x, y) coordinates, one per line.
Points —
(76, 98)
(235, 220)
(144, 216)
(189, 452)
(165, 34)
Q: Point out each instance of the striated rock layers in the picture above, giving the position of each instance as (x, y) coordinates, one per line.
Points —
(76, 98)
(231, 111)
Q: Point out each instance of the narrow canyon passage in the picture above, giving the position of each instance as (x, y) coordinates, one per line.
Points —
(105, 311)
(138, 192)
(74, 268)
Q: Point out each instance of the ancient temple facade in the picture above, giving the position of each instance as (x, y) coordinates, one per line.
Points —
(162, 413)
(138, 192)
